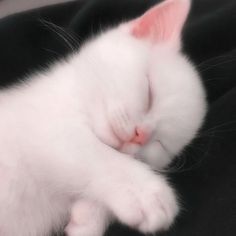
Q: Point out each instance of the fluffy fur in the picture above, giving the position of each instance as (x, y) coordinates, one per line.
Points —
(68, 136)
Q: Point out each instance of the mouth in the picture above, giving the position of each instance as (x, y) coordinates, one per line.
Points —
(130, 148)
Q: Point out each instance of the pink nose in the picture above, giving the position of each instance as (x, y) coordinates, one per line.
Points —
(141, 136)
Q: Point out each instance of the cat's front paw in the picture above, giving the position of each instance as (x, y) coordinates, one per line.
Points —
(73, 229)
(147, 204)
(87, 219)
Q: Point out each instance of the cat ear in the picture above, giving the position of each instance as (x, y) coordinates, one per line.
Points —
(163, 23)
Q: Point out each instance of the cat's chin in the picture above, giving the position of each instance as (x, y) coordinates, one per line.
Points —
(130, 148)
(153, 153)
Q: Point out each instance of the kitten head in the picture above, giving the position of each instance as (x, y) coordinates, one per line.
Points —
(149, 101)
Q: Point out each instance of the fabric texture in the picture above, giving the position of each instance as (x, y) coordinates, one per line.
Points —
(8, 7)
(205, 174)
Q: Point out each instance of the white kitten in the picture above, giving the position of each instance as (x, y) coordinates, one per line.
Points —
(62, 134)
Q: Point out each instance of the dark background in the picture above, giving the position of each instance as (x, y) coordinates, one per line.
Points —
(205, 174)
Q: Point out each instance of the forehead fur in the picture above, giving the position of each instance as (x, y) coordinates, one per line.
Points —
(117, 45)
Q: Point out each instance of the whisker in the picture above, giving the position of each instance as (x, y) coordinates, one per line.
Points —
(180, 162)
(215, 65)
(220, 126)
(71, 41)
(52, 51)
(214, 79)
(222, 57)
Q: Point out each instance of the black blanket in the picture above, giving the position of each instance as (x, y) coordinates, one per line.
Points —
(205, 174)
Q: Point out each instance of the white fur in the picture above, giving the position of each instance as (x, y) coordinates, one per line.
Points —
(61, 134)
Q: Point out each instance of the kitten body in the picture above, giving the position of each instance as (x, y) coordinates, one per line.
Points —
(68, 135)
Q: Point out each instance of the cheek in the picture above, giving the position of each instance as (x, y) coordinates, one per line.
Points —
(141, 96)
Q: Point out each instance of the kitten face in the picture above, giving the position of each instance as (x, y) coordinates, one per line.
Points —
(152, 100)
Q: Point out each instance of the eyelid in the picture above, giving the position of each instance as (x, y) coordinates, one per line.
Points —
(150, 95)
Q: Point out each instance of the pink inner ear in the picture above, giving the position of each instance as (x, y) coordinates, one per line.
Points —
(163, 22)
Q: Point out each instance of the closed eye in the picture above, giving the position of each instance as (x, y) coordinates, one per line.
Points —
(150, 95)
